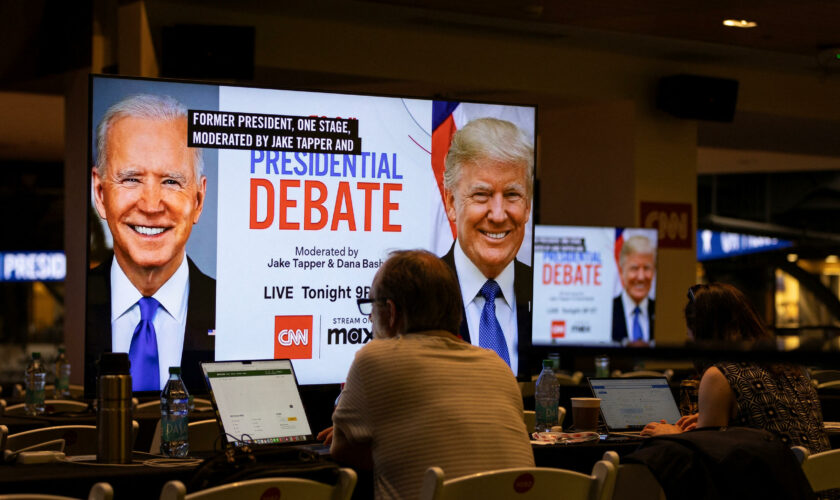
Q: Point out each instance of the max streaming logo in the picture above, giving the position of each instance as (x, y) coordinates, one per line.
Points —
(293, 337)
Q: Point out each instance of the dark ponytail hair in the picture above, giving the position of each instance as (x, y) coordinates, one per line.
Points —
(720, 313)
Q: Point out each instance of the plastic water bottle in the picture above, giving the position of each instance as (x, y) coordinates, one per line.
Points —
(36, 380)
(174, 408)
(547, 395)
(62, 375)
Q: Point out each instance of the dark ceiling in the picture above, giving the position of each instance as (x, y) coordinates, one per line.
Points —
(42, 37)
(800, 27)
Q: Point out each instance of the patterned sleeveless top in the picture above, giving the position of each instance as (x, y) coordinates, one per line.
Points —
(785, 404)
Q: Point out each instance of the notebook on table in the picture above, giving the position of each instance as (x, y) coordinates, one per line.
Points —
(628, 404)
(258, 403)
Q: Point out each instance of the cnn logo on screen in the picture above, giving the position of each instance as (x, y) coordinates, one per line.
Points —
(558, 329)
(293, 337)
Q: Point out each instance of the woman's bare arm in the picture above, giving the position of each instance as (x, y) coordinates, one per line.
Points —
(716, 401)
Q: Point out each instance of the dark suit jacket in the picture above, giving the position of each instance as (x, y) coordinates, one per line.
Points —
(201, 317)
(523, 289)
(619, 323)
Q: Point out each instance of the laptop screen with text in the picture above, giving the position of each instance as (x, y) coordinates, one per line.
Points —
(257, 402)
(628, 404)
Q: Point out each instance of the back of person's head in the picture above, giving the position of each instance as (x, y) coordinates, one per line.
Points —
(423, 289)
(489, 139)
(718, 312)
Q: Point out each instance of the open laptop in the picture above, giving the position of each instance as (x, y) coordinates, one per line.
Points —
(628, 404)
(258, 403)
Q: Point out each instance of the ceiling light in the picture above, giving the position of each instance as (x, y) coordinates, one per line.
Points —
(832, 259)
(792, 257)
(739, 23)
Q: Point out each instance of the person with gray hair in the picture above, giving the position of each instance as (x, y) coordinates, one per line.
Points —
(489, 185)
(150, 299)
(410, 399)
(634, 311)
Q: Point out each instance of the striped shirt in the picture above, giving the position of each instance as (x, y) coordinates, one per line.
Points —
(424, 400)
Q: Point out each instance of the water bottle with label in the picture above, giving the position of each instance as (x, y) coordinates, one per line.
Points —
(547, 396)
(174, 410)
(62, 375)
(36, 380)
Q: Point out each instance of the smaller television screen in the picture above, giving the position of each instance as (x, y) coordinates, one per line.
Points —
(594, 286)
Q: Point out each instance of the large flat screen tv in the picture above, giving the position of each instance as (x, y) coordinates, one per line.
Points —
(299, 198)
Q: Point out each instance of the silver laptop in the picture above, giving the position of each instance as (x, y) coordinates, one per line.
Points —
(257, 402)
(628, 404)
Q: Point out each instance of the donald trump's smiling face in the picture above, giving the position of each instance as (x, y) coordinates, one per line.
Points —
(490, 208)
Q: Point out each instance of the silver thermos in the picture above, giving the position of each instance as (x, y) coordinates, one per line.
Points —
(113, 416)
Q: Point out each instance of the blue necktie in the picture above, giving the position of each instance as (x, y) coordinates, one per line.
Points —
(489, 330)
(143, 353)
(637, 327)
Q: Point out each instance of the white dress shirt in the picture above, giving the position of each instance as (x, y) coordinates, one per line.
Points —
(471, 279)
(170, 320)
(644, 321)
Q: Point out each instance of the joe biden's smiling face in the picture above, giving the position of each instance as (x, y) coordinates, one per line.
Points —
(149, 193)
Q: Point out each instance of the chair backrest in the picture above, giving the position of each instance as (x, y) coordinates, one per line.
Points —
(527, 389)
(198, 403)
(204, 435)
(831, 384)
(271, 487)
(820, 376)
(52, 406)
(76, 391)
(522, 483)
(148, 405)
(821, 469)
(531, 418)
(99, 491)
(634, 481)
(78, 439)
(573, 379)
(801, 453)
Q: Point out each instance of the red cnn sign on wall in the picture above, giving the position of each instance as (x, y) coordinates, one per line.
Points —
(673, 220)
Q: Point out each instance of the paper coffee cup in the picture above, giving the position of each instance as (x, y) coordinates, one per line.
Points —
(585, 413)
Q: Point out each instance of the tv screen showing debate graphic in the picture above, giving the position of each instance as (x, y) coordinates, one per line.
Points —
(258, 216)
(594, 286)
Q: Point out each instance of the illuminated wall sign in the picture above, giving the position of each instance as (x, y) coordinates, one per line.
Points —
(673, 220)
(32, 266)
(717, 245)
